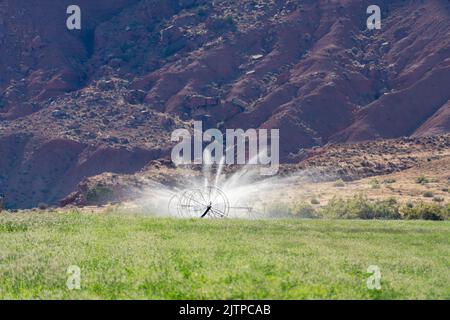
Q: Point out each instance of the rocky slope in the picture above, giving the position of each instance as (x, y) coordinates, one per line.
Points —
(74, 104)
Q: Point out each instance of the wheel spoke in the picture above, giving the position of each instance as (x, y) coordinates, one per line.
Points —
(193, 202)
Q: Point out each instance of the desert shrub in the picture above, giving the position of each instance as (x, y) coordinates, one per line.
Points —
(389, 181)
(359, 207)
(304, 210)
(438, 199)
(422, 180)
(409, 205)
(338, 208)
(384, 209)
(99, 194)
(425, 211)
(374, 184)
(444, 189)
(339, 183)
(278, 210)
(289, 210)
(315, 201)
(428, 194)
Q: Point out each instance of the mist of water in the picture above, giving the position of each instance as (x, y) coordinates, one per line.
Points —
(247, 192)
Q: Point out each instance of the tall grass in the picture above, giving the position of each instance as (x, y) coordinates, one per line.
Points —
(131, 256)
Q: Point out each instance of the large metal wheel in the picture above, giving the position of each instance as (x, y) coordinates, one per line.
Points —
(209, 202)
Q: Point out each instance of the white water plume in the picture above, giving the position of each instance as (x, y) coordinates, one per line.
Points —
(247, 192)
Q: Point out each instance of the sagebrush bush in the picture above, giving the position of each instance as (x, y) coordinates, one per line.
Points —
(339, 183)
(279, 210)
(425, 211)
(359, 207)
(422, 180)
(428, 194)
(291, 210)
(99, 194)
(304, 210)
(375, 184)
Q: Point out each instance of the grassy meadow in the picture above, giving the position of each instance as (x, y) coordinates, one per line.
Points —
(127, 256)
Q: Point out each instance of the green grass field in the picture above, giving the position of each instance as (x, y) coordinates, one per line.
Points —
(137, 257)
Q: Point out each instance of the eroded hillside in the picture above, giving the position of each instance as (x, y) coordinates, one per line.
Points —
(74, 104)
